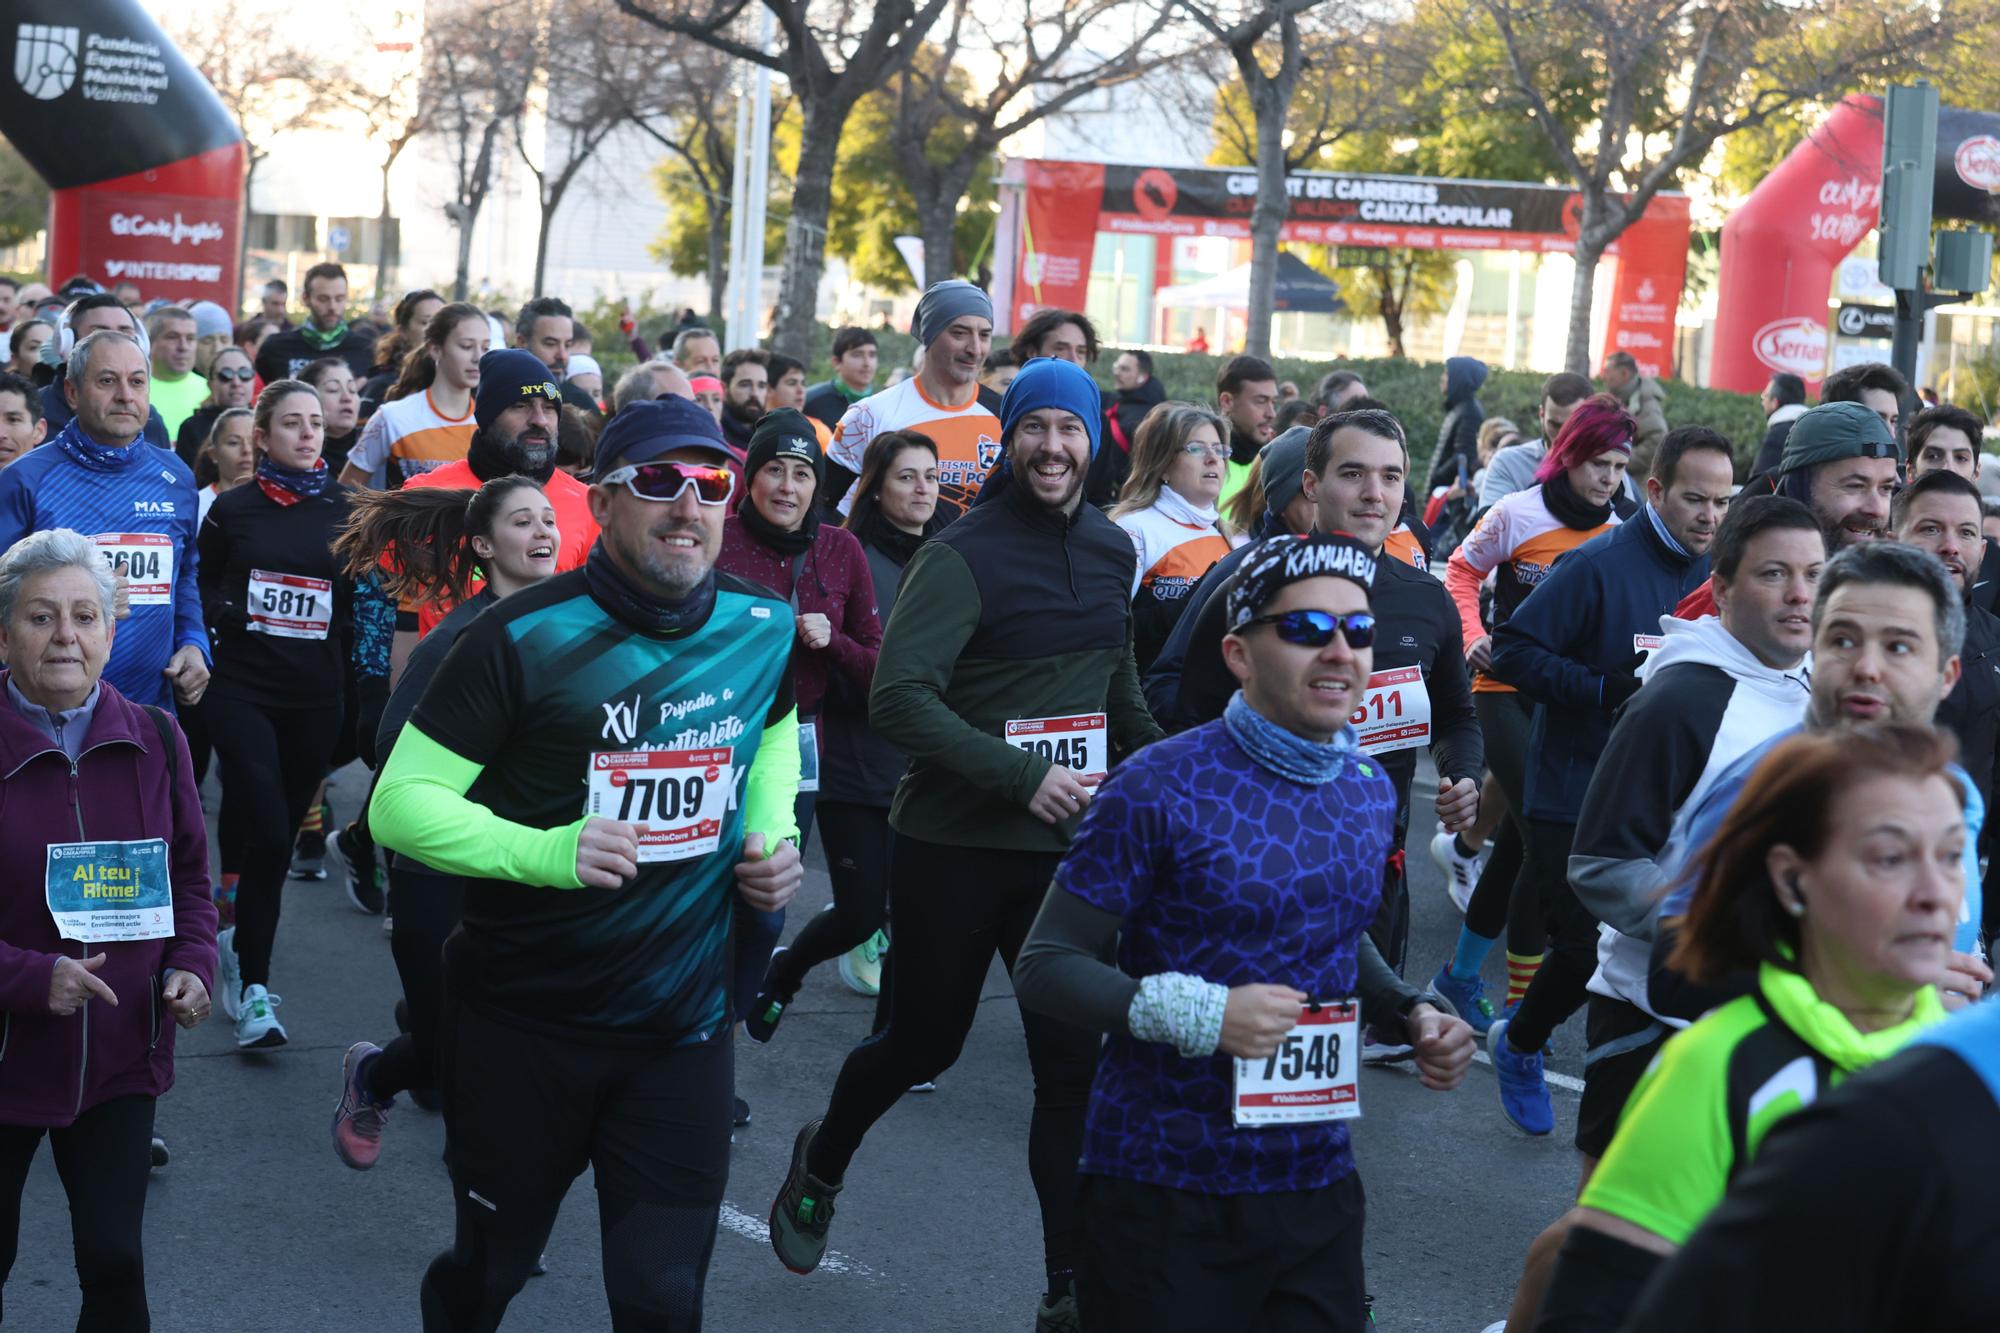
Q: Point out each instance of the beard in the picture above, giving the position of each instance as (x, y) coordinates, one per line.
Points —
(747, 413)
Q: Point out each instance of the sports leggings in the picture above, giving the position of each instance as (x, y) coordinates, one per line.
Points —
(1495, 907)
(273, 760)
(1558, 988)
(103, 1159)
(953, 908)
(757, 933)
(426, 907)
(857, 839)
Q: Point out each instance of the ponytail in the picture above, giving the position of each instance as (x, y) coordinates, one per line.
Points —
(418, 540)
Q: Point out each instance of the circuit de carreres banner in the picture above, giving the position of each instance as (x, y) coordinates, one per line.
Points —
(144, 163)
(1067, 203)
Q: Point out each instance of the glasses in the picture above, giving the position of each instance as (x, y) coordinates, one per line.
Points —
(246, 375)
(1218, 452)
(1315, 629)
(665, 482)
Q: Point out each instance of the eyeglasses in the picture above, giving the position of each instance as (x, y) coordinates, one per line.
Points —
(1218, 452)
(664, 482)
(246, 374)
(1315, 629)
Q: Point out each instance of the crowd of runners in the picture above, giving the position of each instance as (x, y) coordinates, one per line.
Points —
(1126, 690)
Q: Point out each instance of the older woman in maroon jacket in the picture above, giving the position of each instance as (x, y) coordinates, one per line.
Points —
(107, 934)
(775, 538)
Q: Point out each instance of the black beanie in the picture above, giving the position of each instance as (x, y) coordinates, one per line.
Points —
(784, 433)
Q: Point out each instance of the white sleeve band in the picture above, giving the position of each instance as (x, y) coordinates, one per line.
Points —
(1182, 1010)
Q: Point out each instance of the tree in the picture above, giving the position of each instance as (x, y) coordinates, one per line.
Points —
(24, 198)
(696, 178)
(948, 125)
(271, 84)
(478, 57)
(398, 105)
(1401, 285)
(872, 43)
(1271, 49)
(1666, 80)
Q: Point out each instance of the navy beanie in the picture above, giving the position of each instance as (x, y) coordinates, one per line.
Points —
(508, 375)
(1049, 381)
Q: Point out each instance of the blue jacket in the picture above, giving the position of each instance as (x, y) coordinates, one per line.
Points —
(1586, 621)
(145, 493)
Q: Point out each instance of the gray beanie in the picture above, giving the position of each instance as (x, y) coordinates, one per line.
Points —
(945, 301)
(1283, 468)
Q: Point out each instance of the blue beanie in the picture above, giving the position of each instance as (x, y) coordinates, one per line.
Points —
(643, 431)
(1048, 381)
(506, 376)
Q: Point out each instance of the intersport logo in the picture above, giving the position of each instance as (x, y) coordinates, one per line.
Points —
(1796, 345)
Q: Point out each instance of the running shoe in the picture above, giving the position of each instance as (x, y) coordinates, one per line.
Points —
(358, 1118)
(803, 1210)
(928, 1085)
(257, 1026)
(228, 975)
(309, 856)
(1059, 1315)
(361, 871)
(1466, 998)
(761, 1024)
(861, 966)
(1461, 873)
(1524, 1093)
(739, 1112)
(1381, 1048)
(160, 1154)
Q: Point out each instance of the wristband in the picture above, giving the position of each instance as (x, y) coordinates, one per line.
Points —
(1181, 1010)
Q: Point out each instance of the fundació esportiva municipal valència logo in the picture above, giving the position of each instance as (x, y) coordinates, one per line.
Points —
(45, 59)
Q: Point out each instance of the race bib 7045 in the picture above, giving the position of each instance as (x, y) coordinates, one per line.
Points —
(1080, 743)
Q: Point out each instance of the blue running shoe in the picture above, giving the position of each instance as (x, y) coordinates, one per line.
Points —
(1524, 1094)
(1467, 998)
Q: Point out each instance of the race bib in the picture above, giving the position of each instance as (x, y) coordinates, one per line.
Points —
(290, 606)
(808, 756)
(680, 795)
(1312, 1075)
(1080, 743)
(101, 892)
(1395, 713)
(145, 558)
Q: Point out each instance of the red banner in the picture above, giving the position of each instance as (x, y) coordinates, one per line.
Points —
(175, 231)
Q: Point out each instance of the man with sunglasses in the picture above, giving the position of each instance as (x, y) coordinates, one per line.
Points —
(1237, 868)
(1356, 466)
(1006, 676)
(586, 1003)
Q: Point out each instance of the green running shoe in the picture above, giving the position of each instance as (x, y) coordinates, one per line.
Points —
(803, 1210)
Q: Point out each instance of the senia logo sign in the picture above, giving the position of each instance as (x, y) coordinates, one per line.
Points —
(45, 60)
(1796, 345)
(1978, 163)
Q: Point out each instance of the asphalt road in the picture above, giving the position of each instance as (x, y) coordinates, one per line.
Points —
(256, 1225)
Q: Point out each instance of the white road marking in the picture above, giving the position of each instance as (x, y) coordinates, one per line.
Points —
(759, 1229)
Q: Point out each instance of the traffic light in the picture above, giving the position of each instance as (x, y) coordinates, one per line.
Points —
(1909, 158)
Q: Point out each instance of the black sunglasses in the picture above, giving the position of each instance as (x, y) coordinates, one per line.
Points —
(1315, 629)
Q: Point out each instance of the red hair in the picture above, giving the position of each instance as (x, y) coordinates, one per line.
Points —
(1599, 424)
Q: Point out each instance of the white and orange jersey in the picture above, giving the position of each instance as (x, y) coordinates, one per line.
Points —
(967, 438)
(1174, 550)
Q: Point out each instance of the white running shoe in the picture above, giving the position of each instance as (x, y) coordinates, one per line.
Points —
(257, 1027)
(1461, 873)
(861, 966)
(228, 976)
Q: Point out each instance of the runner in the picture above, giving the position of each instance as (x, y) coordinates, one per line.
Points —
(81, 318)
(22, 426)
(227, 456)
(746, 384)
(413, 315)
(1518, 540)
(895, 510)
(340, 405)
(326, 331)
(137, 501)
(426, 421)
(272, 589)
(854, 354)
(1136, 393)
(1513, 467)
(1352, 474)
(1948, 438)
(1246, 394)
(1168, 508)
(1202, 1206)
(953, 328)
(775, 539)
(229, 386)
(1575, 648)
(985, 811)
(1835, 880)
(586, 987)
(787, 376)
(506, 532)
(1841, 462)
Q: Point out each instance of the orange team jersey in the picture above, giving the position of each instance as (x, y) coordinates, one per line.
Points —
(567, 496)
(1171, 555)
(1403, 544)
(410, 437)
(1518, 541)
(967, 438)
